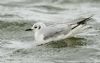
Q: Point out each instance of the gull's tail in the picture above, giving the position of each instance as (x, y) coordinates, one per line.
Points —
(79, 27)
(82, 22)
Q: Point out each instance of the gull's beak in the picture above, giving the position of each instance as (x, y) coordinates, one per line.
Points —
(29, 29)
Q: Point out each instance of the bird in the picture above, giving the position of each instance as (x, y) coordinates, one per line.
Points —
(44, 34)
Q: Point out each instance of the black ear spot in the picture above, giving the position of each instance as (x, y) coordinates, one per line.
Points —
(39, 27)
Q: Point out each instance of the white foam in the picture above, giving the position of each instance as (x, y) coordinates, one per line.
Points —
(16, 44)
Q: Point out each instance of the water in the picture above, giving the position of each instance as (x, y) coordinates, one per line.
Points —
(18, 15)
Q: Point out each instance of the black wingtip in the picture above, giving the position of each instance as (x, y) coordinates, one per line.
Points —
(85, 20)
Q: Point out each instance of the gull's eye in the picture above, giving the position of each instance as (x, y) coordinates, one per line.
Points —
(35, 26)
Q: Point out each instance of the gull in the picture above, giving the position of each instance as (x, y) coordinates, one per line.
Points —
(44, 34)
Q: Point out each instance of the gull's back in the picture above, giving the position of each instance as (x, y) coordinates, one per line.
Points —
(55, 30)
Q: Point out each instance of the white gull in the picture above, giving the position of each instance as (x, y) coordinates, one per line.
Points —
(44, 34)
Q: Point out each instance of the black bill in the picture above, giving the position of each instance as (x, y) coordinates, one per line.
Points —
(28, 29)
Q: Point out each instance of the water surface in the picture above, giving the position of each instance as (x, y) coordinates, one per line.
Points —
(18, 15)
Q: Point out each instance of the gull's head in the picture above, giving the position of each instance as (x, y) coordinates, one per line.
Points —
(37, 26)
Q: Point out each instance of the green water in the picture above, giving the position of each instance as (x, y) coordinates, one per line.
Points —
(15, 42)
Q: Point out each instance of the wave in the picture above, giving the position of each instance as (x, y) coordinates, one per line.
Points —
(13, 25)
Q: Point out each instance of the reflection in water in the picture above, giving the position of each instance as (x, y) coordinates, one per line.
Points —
(70, 42)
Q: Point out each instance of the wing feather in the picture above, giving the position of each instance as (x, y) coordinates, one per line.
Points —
(55, 31)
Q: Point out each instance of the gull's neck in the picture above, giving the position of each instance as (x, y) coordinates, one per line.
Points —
(38, 35)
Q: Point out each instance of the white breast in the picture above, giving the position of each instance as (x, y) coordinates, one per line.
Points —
(38, 36)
